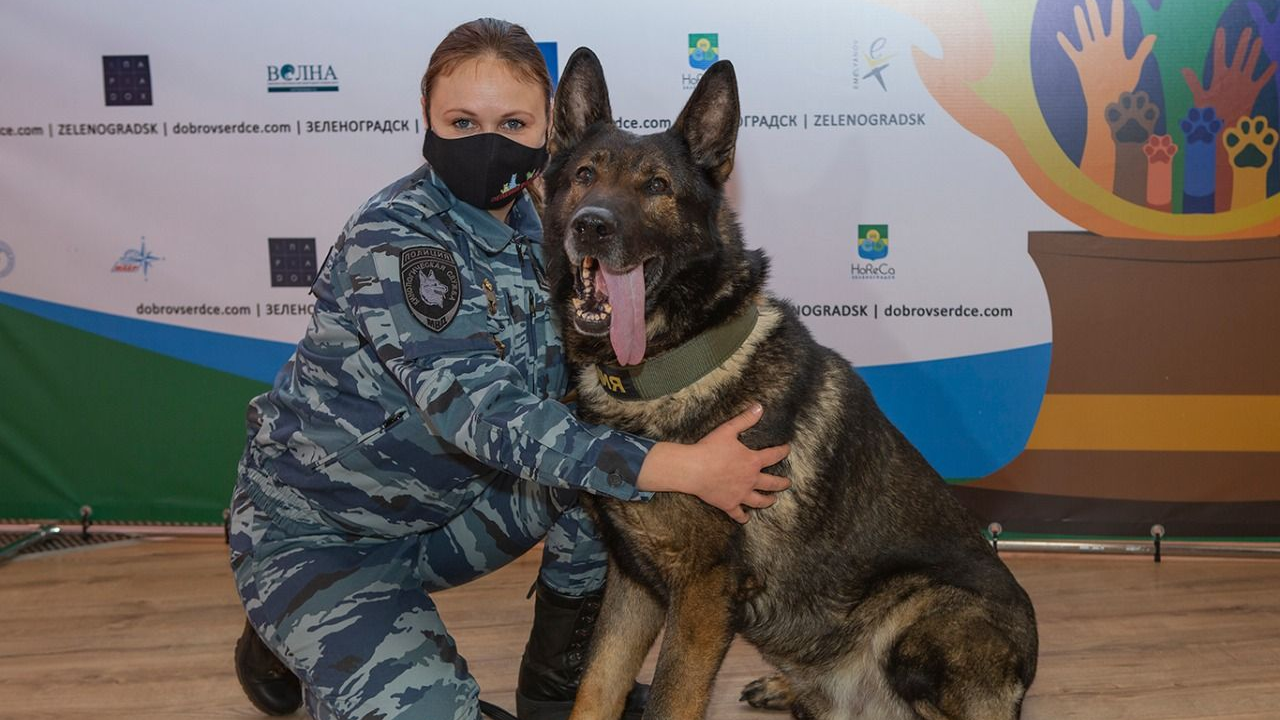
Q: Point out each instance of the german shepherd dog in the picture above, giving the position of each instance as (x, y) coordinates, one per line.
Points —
(867, 585)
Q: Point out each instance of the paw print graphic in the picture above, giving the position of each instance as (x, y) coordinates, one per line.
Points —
(1199, 183)
(1132, 117)
(1251, 148)
(1251, 143)
(1160, 149)
(1200, 126)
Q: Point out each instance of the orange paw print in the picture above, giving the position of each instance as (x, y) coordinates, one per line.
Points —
(1160, 149)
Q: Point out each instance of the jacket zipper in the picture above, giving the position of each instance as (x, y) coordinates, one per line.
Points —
(386, 425)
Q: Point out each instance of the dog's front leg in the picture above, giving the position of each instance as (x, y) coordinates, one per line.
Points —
(629, 621)
(699, 631)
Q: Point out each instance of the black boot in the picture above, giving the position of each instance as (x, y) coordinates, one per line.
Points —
(270, 686)
(556, 656)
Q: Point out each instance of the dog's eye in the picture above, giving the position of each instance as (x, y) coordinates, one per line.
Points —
(658, 185)
(586, 174)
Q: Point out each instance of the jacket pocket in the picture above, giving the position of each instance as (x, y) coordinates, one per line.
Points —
(360, 440)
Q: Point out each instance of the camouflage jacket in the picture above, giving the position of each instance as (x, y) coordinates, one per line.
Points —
(431, 364)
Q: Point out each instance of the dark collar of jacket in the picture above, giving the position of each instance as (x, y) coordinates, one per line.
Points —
(483, 229)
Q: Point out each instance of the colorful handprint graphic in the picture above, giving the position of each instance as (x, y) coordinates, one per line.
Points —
(1232, 94)
(1055, 85)
(1181, 27)
(1106, 71)
(1268, 34)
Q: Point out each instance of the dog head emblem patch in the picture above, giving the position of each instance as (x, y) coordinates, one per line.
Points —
(433, 291)
(432, 288)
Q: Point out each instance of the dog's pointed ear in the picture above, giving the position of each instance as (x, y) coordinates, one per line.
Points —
(582, 99)
(709, 121)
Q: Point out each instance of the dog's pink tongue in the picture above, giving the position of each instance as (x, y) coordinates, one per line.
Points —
(626, 323)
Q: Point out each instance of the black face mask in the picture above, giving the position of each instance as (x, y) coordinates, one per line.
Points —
(486, 170)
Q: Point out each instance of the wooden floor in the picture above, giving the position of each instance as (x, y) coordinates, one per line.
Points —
(145, 630)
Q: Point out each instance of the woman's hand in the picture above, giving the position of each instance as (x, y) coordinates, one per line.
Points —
(718, 469)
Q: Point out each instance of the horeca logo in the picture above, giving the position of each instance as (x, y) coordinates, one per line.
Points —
(704, 50)
(873, 248)
(873, 241)
(291, 77)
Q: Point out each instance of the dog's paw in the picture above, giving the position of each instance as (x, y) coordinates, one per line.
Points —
(1251, 143)
(1160, 149)
(1132, 117)
(1200, 126)
(768, 693)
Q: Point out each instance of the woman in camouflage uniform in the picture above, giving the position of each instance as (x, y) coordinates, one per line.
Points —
(415, 439)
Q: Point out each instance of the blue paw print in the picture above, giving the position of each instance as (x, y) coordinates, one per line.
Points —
(1201, 125)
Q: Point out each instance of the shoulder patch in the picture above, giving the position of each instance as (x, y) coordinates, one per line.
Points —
(431, 285)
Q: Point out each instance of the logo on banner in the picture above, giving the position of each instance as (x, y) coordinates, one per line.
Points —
(704, 49)
(873, 241)
(551, 53)
(127, 79)
(135, 259)
(7, 259)
(872, 64)
(873, 244)
(293, 261)
(301, 78)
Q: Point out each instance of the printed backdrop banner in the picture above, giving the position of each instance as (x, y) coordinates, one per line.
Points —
(1043, 231)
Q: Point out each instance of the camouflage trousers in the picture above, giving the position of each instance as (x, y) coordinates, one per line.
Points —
(352, 615)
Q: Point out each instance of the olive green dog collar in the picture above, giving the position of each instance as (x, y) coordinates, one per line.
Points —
(681, 366)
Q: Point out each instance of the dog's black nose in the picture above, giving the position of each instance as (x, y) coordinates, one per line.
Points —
(594, 223)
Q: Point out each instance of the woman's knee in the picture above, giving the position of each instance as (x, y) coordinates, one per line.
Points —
(503, 524)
